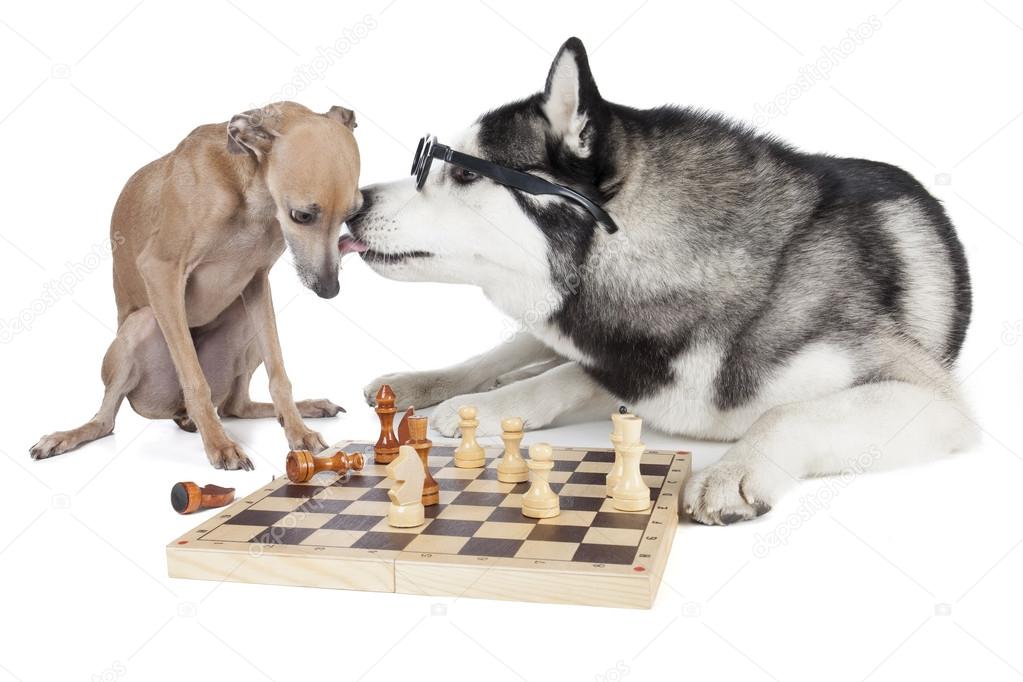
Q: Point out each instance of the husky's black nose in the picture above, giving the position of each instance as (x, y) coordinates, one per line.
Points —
(354, 221)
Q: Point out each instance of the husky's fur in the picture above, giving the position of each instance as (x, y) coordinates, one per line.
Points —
(807, 306)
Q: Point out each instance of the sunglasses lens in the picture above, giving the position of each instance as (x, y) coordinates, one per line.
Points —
(424, 159)
(417, 159)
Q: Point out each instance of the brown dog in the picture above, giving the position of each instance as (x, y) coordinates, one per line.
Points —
(196, 233)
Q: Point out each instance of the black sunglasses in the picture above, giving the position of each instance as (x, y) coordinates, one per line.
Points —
(429, 149)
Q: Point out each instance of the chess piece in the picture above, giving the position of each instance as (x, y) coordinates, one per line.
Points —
(187, 497)
(403, 425)
(615, 474)
(386, 447)
(419, 442)
(631, 493)
(540, 502)
(512, 468)
(406, 510)
(302, 465)
(469, 454)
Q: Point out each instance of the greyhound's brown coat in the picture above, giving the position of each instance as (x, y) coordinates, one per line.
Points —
(197, 232)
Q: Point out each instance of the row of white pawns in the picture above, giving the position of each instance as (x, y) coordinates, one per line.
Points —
(624, 482)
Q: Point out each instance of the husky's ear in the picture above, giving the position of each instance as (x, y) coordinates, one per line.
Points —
(251, 132)
(572, 102)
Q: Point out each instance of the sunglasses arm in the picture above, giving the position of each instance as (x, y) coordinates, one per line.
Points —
(525, 182)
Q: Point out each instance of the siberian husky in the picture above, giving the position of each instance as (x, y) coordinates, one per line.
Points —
(808, 307)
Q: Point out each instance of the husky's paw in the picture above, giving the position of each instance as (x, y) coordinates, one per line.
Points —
(491, 408)
(421, 389)
(729, 491)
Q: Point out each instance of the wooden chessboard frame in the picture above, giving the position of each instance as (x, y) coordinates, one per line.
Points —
(444, 575)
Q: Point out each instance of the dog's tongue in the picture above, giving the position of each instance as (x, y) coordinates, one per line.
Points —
(349, 244)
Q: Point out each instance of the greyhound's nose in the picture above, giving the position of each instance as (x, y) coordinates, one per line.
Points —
(327, 288)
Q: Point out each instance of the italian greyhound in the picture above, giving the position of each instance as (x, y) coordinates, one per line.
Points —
(196, 233)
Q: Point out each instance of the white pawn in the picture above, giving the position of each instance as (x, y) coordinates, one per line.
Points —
(406, 510)
(540, 502)
(616, 438)
(512, 468)
(469, 454)
(631, 493)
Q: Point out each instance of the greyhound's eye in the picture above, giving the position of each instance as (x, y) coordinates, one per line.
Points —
(302, 217)
(463, 176)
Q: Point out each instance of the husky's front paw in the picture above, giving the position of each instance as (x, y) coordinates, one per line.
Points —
(728, 491)
(421, 389)
(491, 409)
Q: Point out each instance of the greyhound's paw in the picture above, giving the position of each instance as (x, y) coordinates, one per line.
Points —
(421, 389)
(54, 444)
(307, 440)
(59, 442)
(229, 457)
(726, 492)
(313, 409)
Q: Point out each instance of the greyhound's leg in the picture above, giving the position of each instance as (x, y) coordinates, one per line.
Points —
(165, 286)
(241, 406)
(479, 373)
(259, 306)
(538, 401)
(120, 373)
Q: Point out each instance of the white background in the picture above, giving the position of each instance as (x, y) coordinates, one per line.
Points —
(905, 575)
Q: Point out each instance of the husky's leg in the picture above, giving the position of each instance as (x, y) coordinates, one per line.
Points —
(872, 426)
(538, 401)
(478, 373)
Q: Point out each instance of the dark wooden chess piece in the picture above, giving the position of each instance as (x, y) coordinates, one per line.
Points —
(403, 425)
(302, 465)
(386, 448)
(187, 497)
(418, 440)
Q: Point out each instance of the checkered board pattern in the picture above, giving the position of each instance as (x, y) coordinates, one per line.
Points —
(333, 532)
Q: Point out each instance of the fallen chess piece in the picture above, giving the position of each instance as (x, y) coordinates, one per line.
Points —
(540, 501)
(469, 454)
(631, 493)
(406, 495)
(512, 468)
(187, 497)
(302, 465)
(386, 447)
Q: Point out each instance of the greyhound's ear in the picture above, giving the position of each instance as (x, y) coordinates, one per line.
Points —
(250, 132)
(343, 116)
(571, 102)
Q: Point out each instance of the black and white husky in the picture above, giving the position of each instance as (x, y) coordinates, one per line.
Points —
(806, 306)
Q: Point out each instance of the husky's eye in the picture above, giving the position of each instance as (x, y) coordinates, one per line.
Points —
(463, 176)
(302, 217)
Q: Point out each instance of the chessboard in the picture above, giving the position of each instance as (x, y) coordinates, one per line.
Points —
(333, 532)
